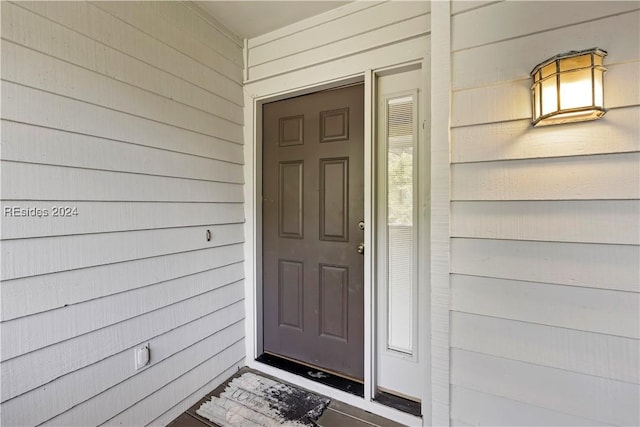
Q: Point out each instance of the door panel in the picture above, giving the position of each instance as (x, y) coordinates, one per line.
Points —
(290, 206)
(313, 199)
(290, 294)
(334, 199)
(334, 301)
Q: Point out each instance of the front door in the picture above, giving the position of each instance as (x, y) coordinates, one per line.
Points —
(313, 205)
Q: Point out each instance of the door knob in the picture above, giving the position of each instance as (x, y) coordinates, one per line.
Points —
(361, 248)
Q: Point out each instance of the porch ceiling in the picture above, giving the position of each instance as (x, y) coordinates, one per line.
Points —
(249, 19)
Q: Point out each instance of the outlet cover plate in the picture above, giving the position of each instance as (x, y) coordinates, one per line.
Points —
(142, 356)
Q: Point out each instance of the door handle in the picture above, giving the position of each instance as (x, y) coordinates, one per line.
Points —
(361, 248)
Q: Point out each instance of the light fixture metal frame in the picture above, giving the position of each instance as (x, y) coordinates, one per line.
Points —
(600, 110)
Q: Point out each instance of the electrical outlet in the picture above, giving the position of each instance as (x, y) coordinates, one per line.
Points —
(142, 356)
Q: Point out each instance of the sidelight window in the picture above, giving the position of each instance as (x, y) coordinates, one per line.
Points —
(400, 220)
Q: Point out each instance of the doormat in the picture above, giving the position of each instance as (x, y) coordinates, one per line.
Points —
(253, 400)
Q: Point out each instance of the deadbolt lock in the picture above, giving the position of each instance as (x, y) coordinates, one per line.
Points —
(361, 225)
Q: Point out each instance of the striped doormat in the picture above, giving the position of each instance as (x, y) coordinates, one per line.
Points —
(253, 400)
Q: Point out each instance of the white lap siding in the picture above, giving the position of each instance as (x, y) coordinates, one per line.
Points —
(545, 226)
(131, 113)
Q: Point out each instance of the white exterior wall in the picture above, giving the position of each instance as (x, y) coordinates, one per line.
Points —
(545, 226)
(133, 114)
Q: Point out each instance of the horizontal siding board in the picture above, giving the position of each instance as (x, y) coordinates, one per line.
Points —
(143, 17)
(103, 217)
(575, 264)
(601, 221)
(488, 104)
(615, 34)
(33, 144)
(190, 21)
(401, 52)
(603, 311)
(477, 27)
(413, 27)
(619, 87)
(611, 176)
(340, 32)
(153, 403)
(477, 408)
(599, 399)
(458, 7)
(85, 52)
(617, 132)
(314, 21)
(63, 393)
(35, 369)
(20, 336)
(175, 411)
(24, 181)
(30, 295)
(28, 257)
(61, 78)
(35, 107)
(511, 100)
(89, 20)
(600, 355)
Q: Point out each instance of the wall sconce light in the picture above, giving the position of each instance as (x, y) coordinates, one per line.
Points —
(569, 88)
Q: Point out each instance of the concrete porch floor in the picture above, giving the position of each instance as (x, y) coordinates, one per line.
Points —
(337, 414)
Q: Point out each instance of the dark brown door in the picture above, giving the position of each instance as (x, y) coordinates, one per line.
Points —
(313, 200)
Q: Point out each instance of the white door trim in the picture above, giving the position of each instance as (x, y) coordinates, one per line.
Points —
(253, 245)
(440, 99)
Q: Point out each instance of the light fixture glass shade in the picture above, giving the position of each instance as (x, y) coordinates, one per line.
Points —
(568, 88)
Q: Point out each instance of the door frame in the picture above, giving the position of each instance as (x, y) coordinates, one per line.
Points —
(253, 242)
